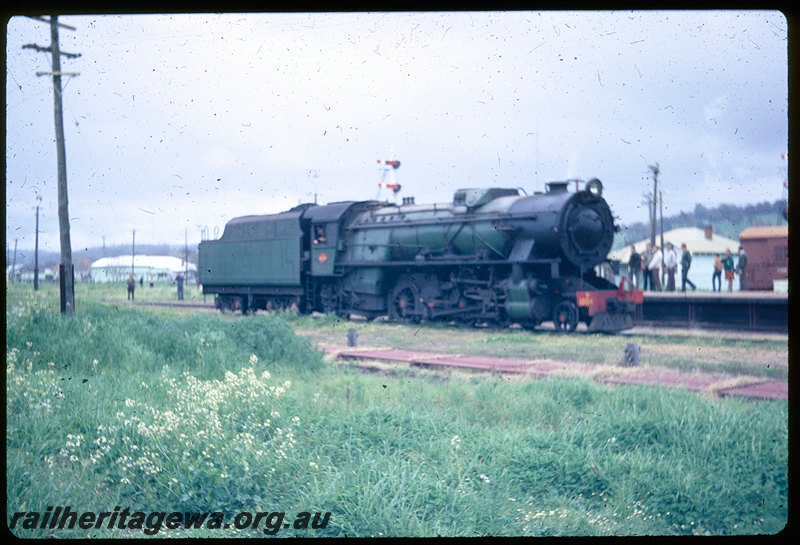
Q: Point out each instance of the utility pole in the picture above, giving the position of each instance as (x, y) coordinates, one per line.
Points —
(14, 266)
(67, 276)
(133, 249)
(36, 250)
(654, 204)
(661, 213)
(313, 174)
(186, 255)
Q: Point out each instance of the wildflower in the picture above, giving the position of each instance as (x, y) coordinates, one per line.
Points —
(455, 442)
(253, 359)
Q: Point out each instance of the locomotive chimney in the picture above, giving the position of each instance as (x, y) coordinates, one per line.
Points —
(708, 232)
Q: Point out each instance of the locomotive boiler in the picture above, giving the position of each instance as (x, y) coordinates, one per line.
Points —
(489, 257)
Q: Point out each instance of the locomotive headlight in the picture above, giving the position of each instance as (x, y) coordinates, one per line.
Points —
(595, 188)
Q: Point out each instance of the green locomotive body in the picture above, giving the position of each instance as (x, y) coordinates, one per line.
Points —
(491, 256)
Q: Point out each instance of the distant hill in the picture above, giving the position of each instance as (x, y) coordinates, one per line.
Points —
(727, 220)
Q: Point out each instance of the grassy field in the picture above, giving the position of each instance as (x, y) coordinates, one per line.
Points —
(764, 356)
(164, 410)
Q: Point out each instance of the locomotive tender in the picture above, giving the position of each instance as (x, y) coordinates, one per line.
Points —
(491, 256)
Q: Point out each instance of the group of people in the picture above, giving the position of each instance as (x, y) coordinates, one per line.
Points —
(132, 286)
(644, 270)
(726, 264)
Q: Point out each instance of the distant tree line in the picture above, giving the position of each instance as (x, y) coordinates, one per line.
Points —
(82, 257)
(727, 220)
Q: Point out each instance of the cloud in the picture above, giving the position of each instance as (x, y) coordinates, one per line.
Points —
(715, 108)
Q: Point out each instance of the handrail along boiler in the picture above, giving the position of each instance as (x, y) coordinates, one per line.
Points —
(491, 256)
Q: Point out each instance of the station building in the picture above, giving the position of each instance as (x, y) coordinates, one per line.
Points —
(158, 269)
(767, 249)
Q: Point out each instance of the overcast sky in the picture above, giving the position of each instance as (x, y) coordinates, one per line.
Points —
(179, 122)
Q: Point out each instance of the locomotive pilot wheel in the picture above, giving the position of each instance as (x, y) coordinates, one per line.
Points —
(565, 317)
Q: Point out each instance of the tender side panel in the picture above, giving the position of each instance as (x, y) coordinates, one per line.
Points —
(255, 251)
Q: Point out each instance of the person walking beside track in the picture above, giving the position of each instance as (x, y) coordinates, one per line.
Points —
(179, 281)
(727, 264)
(654, 267)
(131, 287)
(686, 262)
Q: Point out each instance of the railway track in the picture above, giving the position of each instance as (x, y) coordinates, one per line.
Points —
(668, 314)
(375, 358)
(722, 386)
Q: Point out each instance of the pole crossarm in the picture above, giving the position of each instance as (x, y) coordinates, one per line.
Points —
(58, 73)
(48, 21)
(50, 50)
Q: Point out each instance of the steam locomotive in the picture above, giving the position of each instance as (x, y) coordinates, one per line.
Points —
(491, 257)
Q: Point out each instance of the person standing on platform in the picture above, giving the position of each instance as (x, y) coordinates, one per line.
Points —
(646, 256)
(727, 264)
(179, 281)
(686, 262)
(635, 268)
(716, 278)
(671, 264)
(741, 269)
(655, 267)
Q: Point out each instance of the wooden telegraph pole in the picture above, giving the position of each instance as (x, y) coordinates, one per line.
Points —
(133, 251)
(66, 269)
(36, 251)
(14, 266)
(654, 204)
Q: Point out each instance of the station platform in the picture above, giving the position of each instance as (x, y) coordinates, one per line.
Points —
(756, 310)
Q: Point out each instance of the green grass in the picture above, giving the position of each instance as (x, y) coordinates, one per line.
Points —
(161, 410)
(722, 354)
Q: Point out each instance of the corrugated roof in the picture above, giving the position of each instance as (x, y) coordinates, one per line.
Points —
(765, 231)
(695, 240)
